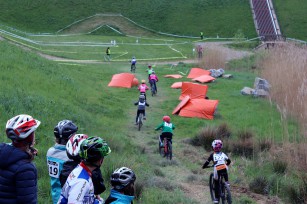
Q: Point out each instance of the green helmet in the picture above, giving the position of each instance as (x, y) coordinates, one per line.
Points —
(93, 149)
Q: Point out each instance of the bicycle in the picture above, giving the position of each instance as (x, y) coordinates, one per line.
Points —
(224, 190)
(140, 121)
(166, 149)
(153, 89)
(133, 68)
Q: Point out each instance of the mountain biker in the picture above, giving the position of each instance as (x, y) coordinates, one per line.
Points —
(133, 64)
(141, 103)
(153, 79)
(167, 129)
(56, 155)
(18, 177)
(79, 187)
(72, 150)
(122, 181)
(220, 161)
(143, 88)
(149, 70)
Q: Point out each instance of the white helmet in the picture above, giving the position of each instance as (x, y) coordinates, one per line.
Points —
(217, 145)
(73, 146)
(21, 126)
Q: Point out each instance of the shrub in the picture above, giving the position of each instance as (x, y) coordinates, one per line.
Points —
(280, 166)
(158, 172)
(205, 137)
(265, 145)
(244, 146)
(260, 185)
(161, 183)
(223, 131)
(138, 188)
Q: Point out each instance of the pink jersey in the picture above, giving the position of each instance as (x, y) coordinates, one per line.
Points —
(143, 88)
(153, 76)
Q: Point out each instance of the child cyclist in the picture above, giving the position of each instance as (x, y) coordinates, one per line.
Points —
(143, 88)
(141, 103)
(153, 79)
(220, 161)
(167, 129)
(149, 71)
(72, 150)
(133, 64)
(56, 155)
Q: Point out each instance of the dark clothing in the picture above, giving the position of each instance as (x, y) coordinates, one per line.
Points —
(18, 176)
(97, 179)
(167, 135)
(153, 83)
(141, 108)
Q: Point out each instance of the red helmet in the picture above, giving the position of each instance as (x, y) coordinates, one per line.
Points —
(166, 118)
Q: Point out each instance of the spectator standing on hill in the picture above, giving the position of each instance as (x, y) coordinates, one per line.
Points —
(122, 181)
(18, 175)
(56, 155)
(72, 150)
(79, 186)
(200, 51)
(201, 35)
(108, 54)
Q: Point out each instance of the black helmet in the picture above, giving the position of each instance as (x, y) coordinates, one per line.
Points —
(122, 177)
(65, 129)
(94, 148)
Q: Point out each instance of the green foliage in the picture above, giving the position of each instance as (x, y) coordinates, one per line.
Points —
(259, 185)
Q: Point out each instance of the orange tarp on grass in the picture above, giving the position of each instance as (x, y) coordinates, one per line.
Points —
(124, 80)
(204, 78)
(196, 108)
(135, 82)
(193, 90)
(196, 72)
(177, 85)
(175, 76)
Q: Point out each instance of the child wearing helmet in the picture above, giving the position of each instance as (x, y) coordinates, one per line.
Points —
(72, 150)
(141, 103)
(153, 79)
(79, 187)
(167, 129)
(18, 178)
(122, 182)
(149, 70)
(143, 88)
(133, 64)
(220, 161)
(56, 155)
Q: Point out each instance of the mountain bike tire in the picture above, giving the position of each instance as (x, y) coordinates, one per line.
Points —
(140, 121)
(161, 150)
(211, 187)
(169, 150)
(226, 198)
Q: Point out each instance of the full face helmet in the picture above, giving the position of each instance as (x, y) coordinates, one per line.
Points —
(93, 149)
(166, 118)
(73, 146)
(122, 177)
(142, 97)
(217, 145)
(65, 129)
(21, 127)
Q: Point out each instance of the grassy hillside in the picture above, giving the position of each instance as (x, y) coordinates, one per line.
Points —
(182, 17)
(292, 17)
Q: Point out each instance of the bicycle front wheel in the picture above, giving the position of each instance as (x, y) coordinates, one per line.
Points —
(211, 186)
(226, 194)
(140, 121)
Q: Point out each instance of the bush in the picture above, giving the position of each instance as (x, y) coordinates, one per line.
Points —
(205, 137)
(223, 131)
(280, 166)
(244, 146)
(260, 185)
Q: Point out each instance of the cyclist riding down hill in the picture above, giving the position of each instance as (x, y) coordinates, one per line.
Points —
(72, 150)
(143, 88)
(79, 185)
(141, 103)
(153, 79)
(149, 70)
(167, 129)
(220, 162)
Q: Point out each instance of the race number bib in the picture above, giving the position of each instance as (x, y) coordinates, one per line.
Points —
(54, 168)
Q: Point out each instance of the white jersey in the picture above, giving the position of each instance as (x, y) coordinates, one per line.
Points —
(219, 158)
(78, 188)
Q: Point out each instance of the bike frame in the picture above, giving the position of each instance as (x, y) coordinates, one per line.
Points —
(140, 121)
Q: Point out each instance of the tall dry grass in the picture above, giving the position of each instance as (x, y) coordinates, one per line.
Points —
(213, 58)
(285, 67)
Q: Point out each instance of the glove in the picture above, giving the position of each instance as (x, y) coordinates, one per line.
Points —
(204, 166)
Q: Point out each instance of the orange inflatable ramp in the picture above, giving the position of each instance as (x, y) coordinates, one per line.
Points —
(193, 90)
(196, 72)
(124, 80)
(204, 79)
(175, 76)
(176, 85)
(196, 108)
